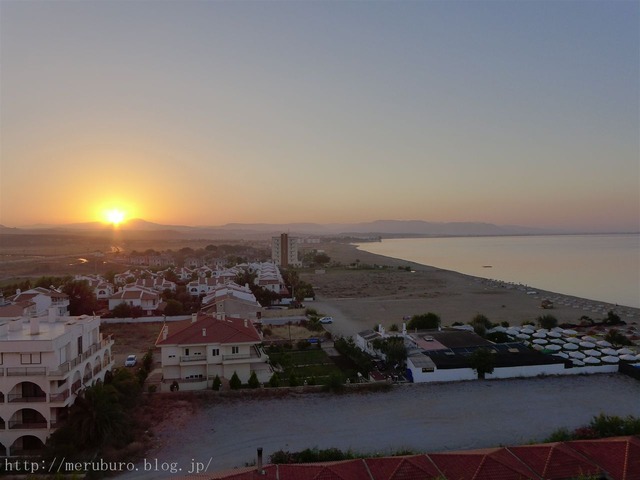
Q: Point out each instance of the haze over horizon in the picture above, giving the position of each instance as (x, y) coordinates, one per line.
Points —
(208, 113)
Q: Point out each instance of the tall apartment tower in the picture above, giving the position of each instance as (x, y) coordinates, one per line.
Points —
(284, 251)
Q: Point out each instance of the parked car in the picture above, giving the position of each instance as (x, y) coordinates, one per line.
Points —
(131, 361)
(326, 320)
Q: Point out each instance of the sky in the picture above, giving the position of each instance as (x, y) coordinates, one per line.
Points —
(211, 112)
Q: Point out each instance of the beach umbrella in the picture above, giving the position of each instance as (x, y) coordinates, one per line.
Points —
(499, 328)
(561, 355)
(610, 359)
(587, 344)
(588, 338)
(540, 341)
(578, 363)
(574, 340)
(542, 330)
(593, 353)
(527, 330)
(557, 329)
(512, 331)
(628, 358)
(609, 351)
(557, 341)
(603, 343)
(553, 348)
(591, 360)
(578, 355)
(568, 331)
(539, 335)
(554, 334)
(625, 351)
(523, 336)
(538, 347)
(570, 346)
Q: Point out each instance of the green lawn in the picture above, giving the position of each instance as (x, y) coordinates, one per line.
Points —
(304, 364)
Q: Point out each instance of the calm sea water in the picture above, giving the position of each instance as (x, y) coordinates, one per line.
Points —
(598, 267)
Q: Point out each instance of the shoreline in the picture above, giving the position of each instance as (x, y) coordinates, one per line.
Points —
(364, 297)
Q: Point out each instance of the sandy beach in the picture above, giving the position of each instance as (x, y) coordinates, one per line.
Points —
(359, 298)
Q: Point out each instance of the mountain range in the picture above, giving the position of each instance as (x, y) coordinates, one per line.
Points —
(381, 228)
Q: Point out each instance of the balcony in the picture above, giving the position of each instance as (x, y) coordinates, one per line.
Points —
(19, 398)
(193, 358)
(19, 424)
(25, 371)
(59, 397)
(255, 354)
(75, 386)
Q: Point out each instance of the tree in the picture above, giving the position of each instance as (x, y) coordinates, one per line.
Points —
(122, 310)
(547, 321)
(235, 383)
(612, 318)
(480, 324)
(617, 338)
(274, 381)
(482, 361)
(426, 321)
(174, 307)
(217, 383)
(82, 299)
(253, 381)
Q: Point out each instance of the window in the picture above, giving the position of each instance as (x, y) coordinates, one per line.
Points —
(172, 356)
(235, 350)
(186, 352)
(215, 352)
(29, 358)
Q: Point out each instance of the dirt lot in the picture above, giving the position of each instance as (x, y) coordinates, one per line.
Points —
(134, 338)
(421, 417)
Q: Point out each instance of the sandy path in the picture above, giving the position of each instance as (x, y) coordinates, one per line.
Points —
(422, 417)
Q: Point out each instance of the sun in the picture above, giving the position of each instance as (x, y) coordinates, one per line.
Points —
(114, 216)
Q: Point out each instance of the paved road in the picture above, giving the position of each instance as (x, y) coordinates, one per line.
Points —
(422, 417)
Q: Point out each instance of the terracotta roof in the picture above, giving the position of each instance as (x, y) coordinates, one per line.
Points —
(555, 461)
(618, 456)
(230, 330)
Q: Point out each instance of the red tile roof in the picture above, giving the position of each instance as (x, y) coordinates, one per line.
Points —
(230, 330)
(616, 458)
(555, 461)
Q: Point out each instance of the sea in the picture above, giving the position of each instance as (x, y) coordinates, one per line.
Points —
(602, 267)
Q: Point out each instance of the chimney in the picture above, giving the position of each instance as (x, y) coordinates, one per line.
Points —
(404, 328)
(18, 291)
(194, 317)
(260, 460)
(245, 323)
(204, 332)
(34, 325)
(51, 314)
(165, 332)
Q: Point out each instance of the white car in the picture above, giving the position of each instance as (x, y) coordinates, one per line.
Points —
(326, 320)
(131, 361)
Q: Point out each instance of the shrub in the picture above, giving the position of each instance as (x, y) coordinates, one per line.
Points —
(617, 338)
(234, 382)
(547, 321)
(217, 383)
(274, 381)
(293, 381)
(394, 328)
(302, 344)
(253, 381)
(426, 321)
(335, 383)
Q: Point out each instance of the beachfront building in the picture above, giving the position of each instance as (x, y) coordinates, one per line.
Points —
(284, 251)
(195, 351)
(45, 361)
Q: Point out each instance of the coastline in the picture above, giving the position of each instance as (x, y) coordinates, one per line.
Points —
(363, 297)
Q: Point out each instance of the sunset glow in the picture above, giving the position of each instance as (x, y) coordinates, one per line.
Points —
(114, 216)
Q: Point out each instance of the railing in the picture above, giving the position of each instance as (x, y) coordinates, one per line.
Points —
(236, 356)
(19, 424)
(25, 371)
(18, 397)
(75, 386)
(192, 358)
(59, 397)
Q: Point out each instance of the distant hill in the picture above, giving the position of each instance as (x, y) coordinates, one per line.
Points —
(383, 228)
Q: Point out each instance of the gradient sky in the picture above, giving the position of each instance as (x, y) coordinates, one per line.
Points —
(204, 113)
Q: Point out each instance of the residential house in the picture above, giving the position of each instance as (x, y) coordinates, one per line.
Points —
(45, 361)
(232, 300)
(146, 299)
(44, 298)
(193, 353)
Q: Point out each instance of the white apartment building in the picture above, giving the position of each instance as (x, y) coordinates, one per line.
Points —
(44, 298)
(44, 362)
(284, 251)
